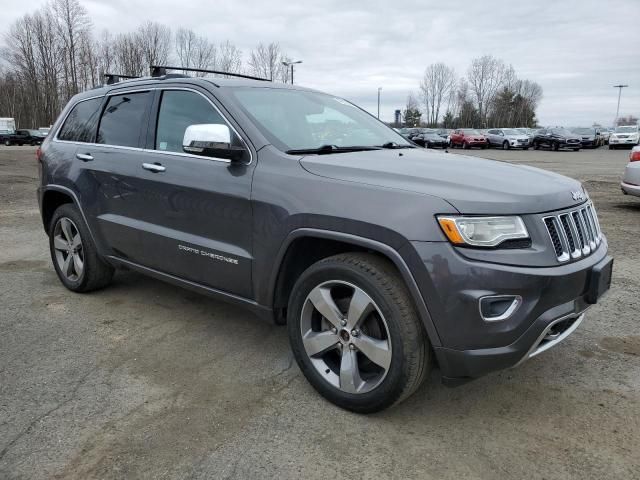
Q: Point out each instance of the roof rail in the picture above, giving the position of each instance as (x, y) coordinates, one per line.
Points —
(160, 71)
(116, 77)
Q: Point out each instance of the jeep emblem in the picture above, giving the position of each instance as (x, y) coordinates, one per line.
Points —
(577, 196)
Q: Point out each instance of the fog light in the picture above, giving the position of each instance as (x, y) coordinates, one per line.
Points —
(496, 308)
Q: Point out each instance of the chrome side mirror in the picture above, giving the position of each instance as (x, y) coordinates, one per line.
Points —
(211, 140)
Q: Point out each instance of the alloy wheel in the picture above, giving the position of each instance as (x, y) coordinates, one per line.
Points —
(346, 337)
(69, 253)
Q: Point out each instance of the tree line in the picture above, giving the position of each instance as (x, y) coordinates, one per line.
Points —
(489, 95)
(51, 54)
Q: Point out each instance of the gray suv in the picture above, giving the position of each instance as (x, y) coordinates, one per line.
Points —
(383, 259)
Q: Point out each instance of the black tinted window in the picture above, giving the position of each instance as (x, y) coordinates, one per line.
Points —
(123, 119)
(178, 110)
(81, 123)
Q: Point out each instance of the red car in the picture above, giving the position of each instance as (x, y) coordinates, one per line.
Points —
(467, 138)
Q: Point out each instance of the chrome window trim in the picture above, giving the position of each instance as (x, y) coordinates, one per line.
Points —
(153, 150)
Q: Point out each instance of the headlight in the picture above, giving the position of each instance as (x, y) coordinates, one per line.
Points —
(482, 231)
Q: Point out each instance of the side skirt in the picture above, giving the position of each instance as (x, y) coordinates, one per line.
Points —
(262, 312)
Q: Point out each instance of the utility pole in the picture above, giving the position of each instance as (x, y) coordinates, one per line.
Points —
(619, 87)
(379, 90)
(291, 64)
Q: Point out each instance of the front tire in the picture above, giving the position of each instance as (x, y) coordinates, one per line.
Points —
(505, 145)
(355, 334)
(74, 255)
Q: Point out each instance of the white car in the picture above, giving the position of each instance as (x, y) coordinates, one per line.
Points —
(631, 179)
(624, 135)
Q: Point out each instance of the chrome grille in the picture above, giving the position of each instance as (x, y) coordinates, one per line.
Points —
(575, 233)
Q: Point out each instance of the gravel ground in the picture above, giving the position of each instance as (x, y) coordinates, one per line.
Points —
(145, 380)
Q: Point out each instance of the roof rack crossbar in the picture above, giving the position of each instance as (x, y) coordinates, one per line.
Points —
(116, 77)
(161, 70)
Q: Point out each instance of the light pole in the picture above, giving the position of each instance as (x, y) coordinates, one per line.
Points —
(291, 64)
(379, 90)
(619, 87)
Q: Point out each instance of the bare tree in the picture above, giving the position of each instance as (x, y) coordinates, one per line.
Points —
(436, 86)
(155, 41)
(265, 61)
(485, 75)
(194, 51)
(228, 58)
(73, 23)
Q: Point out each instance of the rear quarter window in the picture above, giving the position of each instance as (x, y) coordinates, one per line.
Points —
(80, 124)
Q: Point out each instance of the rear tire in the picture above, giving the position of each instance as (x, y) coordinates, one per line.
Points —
(74, 255)
(389, 331)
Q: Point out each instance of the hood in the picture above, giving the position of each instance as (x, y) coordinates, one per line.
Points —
(517, 137)
(568, 136)
(472, 185)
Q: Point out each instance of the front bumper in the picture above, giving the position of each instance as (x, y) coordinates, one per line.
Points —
(623, 141)
(470, 346)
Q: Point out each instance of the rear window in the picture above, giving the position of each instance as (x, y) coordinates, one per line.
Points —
(81, 123)
(123, 120)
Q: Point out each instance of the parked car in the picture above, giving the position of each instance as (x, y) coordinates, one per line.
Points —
(626, 135)
(468, 138)
(376, 254)
(430, 139)
(630, 184)
(590, 137)
(24, 137)
(507, 138)
(409, 133)
(556, 138)
(529, 132)
(604, 134)
(446, 134)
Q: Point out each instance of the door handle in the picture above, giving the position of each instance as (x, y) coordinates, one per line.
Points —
(153, 167)
(85, 157)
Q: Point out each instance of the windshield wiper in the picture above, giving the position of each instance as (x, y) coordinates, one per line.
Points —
(394, 145)
(328, 149)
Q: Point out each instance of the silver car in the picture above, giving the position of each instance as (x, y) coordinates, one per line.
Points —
(507, 138)
(631, 179)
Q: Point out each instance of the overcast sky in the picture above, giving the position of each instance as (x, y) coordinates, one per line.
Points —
(575, 49)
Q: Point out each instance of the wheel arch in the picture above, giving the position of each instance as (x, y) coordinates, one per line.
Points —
(289, 265)
(53, 196)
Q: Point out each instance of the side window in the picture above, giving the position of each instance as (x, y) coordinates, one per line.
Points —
(178, 110)
(123, 118)
(80, 124)
(494, 132)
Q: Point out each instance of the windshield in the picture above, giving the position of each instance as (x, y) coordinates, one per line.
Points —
(626, 129)
(299, 120)
(560, 131)
(511, 131)
(470, 131)
(583, 131)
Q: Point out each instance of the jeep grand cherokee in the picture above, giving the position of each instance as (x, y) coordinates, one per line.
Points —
(383, 259)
